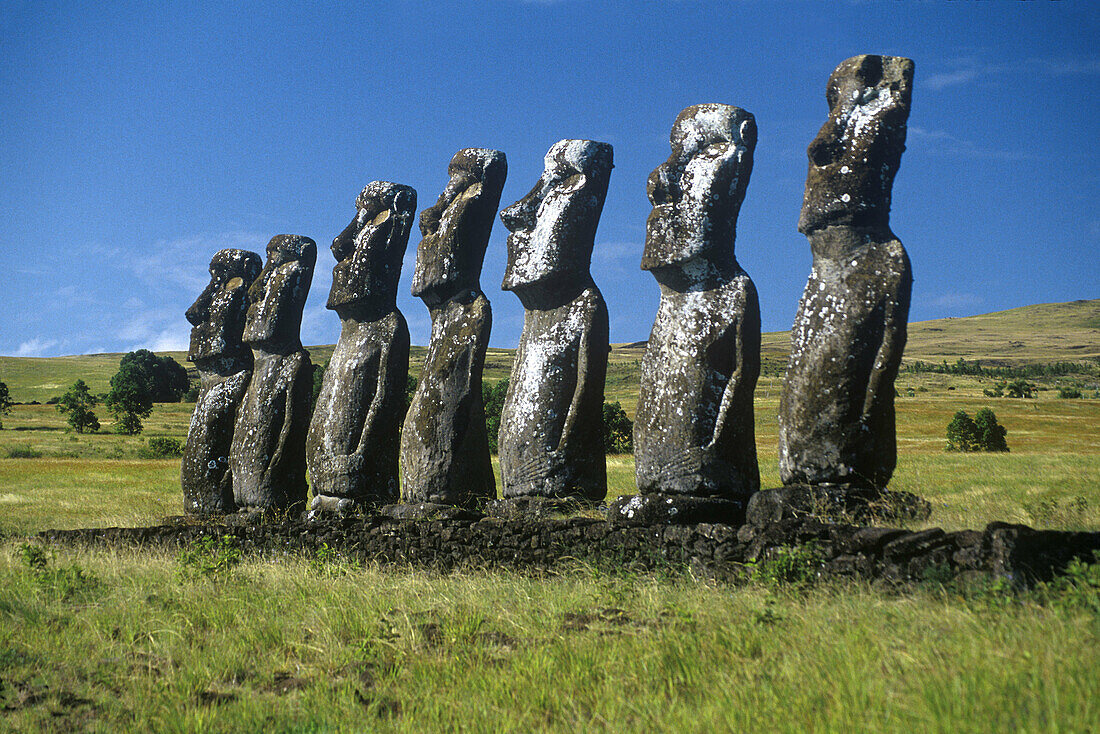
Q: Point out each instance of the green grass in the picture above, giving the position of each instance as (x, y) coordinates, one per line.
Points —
(121, 642)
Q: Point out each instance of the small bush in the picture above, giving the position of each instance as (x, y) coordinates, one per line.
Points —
(1077, 588)
(210, 556)
(63, 582)
(618, 430)
(982, 433)
(162, 447)
(23, 452)
(787, 565)
(1069, 393)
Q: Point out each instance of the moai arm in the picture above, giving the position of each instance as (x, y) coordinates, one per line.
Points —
(589, 360)
(393, 363)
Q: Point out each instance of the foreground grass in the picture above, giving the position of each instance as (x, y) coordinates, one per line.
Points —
(120, 642)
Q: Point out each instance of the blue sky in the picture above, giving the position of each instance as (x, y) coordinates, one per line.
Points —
(136, 139)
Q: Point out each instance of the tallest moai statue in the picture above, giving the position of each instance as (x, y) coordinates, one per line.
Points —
(836, 414)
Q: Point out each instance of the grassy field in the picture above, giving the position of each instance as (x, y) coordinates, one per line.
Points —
(113, 641)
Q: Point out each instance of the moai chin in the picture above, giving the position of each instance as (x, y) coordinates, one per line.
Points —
(268, 455)
(694, 439)
(836, 413)
(551, 424)
(353, 438)
(444, 448)
(225, 368)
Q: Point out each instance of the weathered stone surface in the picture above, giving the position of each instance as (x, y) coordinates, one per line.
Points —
(694, 434)
(353, 437)
(225, 368)
(458, 538)
(836, 415)
(654, 509)
(550, 429)
(857, 505)
(268, 452)
(444, 446)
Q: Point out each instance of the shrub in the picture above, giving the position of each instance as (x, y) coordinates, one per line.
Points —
(210, 556)
(1069, 392)
(493, 397)
(787, 565)
(23, 452)
(5, 402)
(78, 403)
(130, 399)
(991, 434)
(618, 430)
(162, 447)
(983, 433)
(962, 434)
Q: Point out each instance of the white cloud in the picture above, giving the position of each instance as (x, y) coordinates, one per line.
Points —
(956, 300)
(37, 348)
(967, 70)
(944, 143)
(170, 341)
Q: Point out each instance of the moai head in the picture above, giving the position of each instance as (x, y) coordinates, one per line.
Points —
(855, 156)
(456, 230)
(554, 227)
(370, 249)
(697, 193)
(217, 316)
(278, 294)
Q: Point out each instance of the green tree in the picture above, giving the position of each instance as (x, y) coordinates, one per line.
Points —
(318, 378)
(5, 403)
(493, 397)
(1020, 389)
(78, 403)
(618, 430)
(130, 398)
(962, 434)
(165, 379)
(410, 390)
(991, 434)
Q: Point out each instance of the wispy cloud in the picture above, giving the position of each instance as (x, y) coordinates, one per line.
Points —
(955, 300)
(944, 143)
(966, 70)
(37, 348)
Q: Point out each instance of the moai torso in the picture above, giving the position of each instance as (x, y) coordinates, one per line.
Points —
(353, 438)
(268, 454)
(694, 432)
(836, 414)
(225, 368)
(550, 437)
(444, 447)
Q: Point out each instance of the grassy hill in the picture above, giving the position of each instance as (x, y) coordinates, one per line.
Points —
(1043, 333)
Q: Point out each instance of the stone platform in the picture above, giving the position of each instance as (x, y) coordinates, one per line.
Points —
(1017, 553)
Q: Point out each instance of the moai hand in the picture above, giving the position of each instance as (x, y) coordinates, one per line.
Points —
(268, 453)
(353, 438)
(694, 438)
(225, 368)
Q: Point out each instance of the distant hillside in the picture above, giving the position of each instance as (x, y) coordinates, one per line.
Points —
(1048, 332)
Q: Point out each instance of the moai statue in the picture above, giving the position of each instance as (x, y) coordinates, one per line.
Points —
(225, 368)
(550, 440)
(444, 448)
(836, 413)
(353, 439)
(694, 439)
(268, 454)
